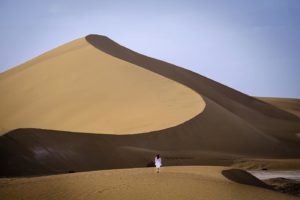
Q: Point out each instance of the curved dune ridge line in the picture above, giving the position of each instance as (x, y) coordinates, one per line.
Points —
(142, 183)
(79, 88)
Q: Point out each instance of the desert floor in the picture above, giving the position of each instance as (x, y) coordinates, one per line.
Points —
(188, 182)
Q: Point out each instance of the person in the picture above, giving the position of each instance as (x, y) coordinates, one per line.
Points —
(157, 162)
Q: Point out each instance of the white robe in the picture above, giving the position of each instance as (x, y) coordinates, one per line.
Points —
(157, 162)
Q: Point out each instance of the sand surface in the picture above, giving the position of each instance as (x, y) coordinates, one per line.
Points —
(78, 88)
(285, 185)
(287, 104)
(143, 183)
(94, 85)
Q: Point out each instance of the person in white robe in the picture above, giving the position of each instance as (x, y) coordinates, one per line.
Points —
(157, 161)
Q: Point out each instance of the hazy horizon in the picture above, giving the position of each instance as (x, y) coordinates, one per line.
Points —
(251, 46)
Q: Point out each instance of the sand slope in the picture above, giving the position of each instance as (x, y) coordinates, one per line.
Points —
(172, 183)
(289, 105)
(78, 88)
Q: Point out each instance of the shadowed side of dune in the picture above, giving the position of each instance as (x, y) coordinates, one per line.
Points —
(27, 152)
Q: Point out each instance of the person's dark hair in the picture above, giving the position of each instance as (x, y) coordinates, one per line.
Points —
(157, 156)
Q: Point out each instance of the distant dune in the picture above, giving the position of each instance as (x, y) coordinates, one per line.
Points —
(287, 104)
(92, 104)
(267, 164)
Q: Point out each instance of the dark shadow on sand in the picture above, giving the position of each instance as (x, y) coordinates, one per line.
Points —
(243, 177)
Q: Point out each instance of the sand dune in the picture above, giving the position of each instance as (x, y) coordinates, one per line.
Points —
(78, 88)
(92, 104)
(95, 85)
(172, 183)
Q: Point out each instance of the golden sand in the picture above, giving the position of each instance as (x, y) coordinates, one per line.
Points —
(143, 183)
(78, 88)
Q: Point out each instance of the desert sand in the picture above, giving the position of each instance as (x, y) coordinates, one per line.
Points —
(287, 104)
(285, 185)
(143, 183)
(81, 89)
(52, 104)
(93, 104)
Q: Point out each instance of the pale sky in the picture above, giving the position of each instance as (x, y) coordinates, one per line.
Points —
(250, 45)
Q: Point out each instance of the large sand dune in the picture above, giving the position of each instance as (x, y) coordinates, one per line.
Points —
(172, 183)
(188, 118)
(81, 89)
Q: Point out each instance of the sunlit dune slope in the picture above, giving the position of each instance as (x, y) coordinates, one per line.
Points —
(78, 88)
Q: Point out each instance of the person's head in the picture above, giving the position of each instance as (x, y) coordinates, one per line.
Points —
(157, 156)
